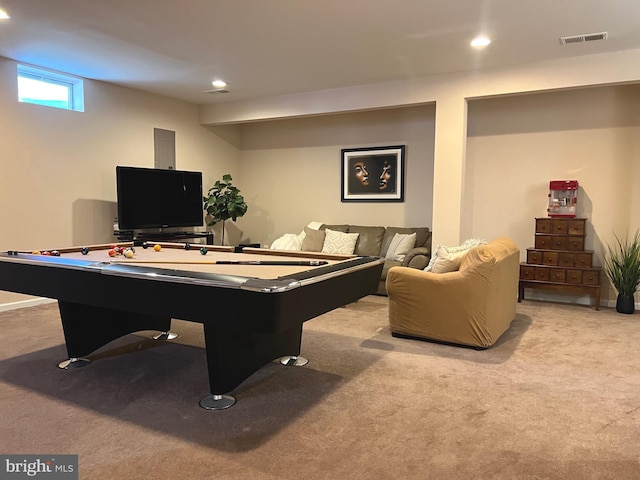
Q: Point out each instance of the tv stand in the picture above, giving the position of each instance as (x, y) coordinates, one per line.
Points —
(138, 238)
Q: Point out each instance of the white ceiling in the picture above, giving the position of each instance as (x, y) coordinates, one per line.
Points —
(265, 48)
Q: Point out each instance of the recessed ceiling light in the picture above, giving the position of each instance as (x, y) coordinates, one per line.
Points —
(480, 42)
(219, 83)
(4, 15)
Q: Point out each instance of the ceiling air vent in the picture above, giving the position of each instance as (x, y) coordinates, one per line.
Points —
(588, 37)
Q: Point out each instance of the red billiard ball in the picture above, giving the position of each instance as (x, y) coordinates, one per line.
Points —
(112, 252)
(46, 252)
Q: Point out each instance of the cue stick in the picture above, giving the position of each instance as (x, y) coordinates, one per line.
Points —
(308, 263)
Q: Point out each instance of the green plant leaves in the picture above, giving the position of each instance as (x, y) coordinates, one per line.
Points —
(622, 264)
(224, 201)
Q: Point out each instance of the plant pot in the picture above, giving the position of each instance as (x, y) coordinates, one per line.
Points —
(625, 304)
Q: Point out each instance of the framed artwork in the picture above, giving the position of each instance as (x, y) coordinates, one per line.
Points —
(374, 174)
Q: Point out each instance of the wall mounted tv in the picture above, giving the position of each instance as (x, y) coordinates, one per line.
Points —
(155, 198)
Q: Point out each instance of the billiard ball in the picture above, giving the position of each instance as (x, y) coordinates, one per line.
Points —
(84, 250)
(128, 253)
(157, 247)
(204, 250)
(55, 253)
(112, 252)
(187, 246)
(145, 245)
(36, 252)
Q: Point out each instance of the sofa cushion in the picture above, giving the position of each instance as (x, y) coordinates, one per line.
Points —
(369, 240)
(336, 228)
(339, 242)
(400, 246)
(313, 240)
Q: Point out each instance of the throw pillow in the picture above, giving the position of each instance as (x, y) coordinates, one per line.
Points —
(339, 242)
(448, 259)
(288, 241)
(400, 246)
(313, 240)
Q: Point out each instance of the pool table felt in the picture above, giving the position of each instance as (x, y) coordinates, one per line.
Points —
(204, 263)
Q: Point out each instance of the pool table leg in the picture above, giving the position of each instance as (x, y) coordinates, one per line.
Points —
(294, 361)
(87, 328)
(234, 354)
(166, 336)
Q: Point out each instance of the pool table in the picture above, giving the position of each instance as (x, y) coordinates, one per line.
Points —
(252, 303)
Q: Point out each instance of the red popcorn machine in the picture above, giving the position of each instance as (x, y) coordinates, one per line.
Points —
(563, 198)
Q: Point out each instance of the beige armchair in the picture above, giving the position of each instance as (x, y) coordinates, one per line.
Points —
(473, 306)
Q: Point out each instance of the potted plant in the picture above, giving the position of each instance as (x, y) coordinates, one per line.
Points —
(223, 202)
(622, 266)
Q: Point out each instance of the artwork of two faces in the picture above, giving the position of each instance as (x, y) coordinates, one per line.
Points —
(372, 174)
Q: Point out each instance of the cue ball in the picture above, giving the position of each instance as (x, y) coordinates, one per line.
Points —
(203, 251)
(157, 247)
(84, 251)
(128, 253)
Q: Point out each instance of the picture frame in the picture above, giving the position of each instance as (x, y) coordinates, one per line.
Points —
(372, 174)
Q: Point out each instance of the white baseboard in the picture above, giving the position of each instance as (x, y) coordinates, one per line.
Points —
(25, 304)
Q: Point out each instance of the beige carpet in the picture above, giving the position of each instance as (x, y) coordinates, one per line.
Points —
(557, 398)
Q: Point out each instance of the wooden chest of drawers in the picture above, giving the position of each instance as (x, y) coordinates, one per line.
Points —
(558, 260)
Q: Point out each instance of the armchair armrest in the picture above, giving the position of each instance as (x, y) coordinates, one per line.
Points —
(417, 258)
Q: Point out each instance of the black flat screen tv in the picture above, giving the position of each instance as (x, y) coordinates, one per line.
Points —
(154, 198)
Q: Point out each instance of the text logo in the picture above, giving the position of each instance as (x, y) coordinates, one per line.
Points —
(45, 467)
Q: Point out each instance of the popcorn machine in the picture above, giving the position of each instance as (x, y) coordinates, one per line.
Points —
(563, 198)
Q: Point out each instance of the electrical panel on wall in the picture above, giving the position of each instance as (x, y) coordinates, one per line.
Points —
(164, 146)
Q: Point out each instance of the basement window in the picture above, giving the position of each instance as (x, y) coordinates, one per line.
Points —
(51, 89)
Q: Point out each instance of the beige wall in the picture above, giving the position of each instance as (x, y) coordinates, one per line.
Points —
(57, 185)
(517, 144)
(291, 170)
